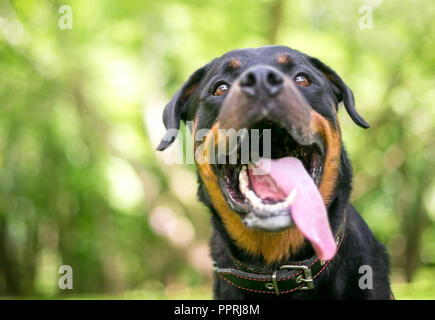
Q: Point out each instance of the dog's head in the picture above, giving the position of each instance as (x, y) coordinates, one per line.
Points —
(296, 97)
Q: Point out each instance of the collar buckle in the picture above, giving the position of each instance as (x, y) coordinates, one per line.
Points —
(307, 278)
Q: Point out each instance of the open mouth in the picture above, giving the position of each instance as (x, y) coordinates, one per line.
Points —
(264, 197)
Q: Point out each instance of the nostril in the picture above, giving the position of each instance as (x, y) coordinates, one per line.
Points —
(249, 80)
(274, 78)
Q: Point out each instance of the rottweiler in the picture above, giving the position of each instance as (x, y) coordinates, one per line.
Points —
(283, 227)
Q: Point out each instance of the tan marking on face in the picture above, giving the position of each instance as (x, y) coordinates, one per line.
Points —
(272, 247)
(234, 63)
(332, 138)
(283, 58)
(189, 91)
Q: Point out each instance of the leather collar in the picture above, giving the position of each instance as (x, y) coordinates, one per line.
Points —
(298, 275)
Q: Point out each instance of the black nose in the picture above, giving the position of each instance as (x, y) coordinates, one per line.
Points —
(261, 79)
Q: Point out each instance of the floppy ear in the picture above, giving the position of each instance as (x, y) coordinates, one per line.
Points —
(342, 91)
(176, 109)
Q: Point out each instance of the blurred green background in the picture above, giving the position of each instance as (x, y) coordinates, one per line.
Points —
(81, 184)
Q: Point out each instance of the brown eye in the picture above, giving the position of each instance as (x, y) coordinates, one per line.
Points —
(301, 80)
(221, 89)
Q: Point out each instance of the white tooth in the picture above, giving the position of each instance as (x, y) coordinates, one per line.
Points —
(253, 198)
(291, 197)
(242, 174)
(242, 190)
(282, 205)
(248, 194)
(269, 208)
(243, 180)
(242, 187)
(278, 209)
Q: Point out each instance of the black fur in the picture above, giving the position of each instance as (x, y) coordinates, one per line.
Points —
(341, 278)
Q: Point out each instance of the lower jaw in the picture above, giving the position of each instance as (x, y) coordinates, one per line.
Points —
(273, 223)
(257, 217)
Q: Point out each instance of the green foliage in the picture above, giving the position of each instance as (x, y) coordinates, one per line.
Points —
(81, 184)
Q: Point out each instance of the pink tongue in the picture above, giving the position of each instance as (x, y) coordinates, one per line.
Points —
(308, 210)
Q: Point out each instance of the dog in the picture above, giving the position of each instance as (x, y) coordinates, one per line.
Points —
(288, 231)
